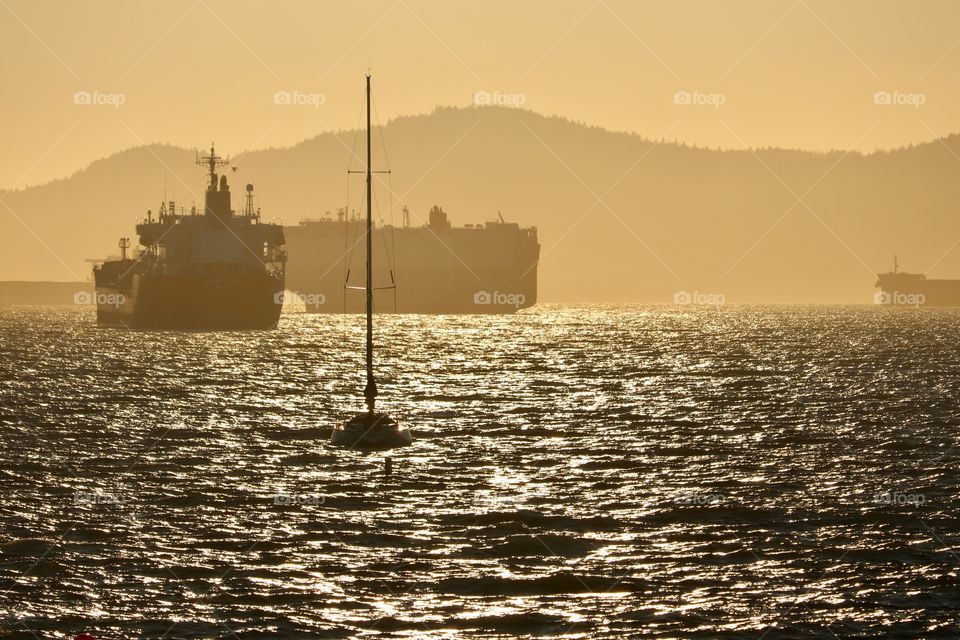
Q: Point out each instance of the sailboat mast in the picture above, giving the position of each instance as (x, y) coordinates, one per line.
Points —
(370, 392)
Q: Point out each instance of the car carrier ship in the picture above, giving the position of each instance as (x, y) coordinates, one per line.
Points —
(439, 268)
(210, 270)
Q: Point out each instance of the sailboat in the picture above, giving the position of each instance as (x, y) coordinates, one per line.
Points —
(370, 429)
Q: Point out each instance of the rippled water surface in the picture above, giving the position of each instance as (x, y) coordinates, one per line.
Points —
(604, 472)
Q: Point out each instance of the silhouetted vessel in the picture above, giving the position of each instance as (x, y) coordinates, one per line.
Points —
(916, 289)
(212, 270)
(371, 429)
(489, 268)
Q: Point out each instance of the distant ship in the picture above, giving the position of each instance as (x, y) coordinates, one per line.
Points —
(489, 268)
(209, 270)
(915, 289)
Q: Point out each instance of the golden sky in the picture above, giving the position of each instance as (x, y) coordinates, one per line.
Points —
(85, 78)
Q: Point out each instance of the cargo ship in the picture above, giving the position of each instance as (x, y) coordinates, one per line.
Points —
(211, 270)
(915, 289)
(439, 269)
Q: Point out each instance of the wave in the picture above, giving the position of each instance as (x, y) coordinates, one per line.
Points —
(556, 584)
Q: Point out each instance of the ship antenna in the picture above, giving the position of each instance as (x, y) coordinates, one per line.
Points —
(212, 162)
(249, 208)
(896, 264)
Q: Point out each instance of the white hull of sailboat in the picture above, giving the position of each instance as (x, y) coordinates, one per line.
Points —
(371, 432)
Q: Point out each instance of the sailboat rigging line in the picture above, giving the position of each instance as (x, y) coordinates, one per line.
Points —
(356, 134)
(347, 245)
(386, 249)
(383, 142)
(355, 226)
(393, 241)
(393, 235)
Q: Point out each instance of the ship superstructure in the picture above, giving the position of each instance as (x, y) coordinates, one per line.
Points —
(915, 289)
(210, 270)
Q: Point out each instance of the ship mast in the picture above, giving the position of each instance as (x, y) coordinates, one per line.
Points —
(213, 162)
(370, 392)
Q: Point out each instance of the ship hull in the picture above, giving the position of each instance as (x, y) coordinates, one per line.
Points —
(189, 302)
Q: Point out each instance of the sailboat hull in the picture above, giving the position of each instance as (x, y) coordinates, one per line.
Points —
(371, 431)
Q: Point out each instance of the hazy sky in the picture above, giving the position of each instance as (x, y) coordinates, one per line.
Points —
(794, 73)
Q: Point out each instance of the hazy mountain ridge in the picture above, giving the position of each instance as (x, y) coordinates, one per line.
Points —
(684, 218)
